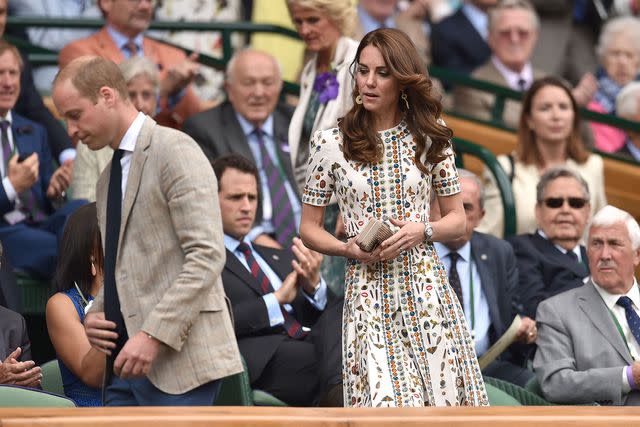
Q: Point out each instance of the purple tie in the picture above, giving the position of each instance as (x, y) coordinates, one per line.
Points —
(291, 325)
(282, 218)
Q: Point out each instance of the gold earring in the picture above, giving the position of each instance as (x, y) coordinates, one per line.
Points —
(93, 269)
(404, 98)
(358, 100)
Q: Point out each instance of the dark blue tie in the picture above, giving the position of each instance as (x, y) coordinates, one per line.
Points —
(114, 212)
(632, 317)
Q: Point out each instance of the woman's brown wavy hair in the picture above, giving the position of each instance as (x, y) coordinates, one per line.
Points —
(361, 140)
(527, 150)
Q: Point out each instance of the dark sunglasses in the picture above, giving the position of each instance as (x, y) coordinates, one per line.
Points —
(557, 202)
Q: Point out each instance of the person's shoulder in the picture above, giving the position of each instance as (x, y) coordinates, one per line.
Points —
(206, 117)
(23, 126)
(491, 241)
(486, 71)
(331, 137)
(563, 299)
(450, 21)
(9, 317)
(272, 254)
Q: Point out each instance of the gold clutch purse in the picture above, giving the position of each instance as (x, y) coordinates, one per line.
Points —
(374, 233)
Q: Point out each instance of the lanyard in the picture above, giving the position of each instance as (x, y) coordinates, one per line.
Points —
(619, 328)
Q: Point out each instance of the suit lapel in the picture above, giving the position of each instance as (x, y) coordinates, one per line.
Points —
(549, 249)
(240, 271)
(592, 305)
(107, 44)
(281, 139)
(235, 138)
(277, 260)
(135, 171)
(482, 257)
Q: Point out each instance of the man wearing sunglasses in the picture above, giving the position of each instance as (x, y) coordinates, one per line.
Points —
(552, 260)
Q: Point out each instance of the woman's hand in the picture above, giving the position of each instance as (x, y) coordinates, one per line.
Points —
(353, 251)
(410, 235)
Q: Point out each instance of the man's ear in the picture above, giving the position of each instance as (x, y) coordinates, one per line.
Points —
(108, 95)
(482, 212)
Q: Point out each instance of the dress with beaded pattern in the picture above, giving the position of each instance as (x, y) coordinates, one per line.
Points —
(405, 341)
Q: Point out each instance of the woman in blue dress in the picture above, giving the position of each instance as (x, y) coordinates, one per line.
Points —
(78, 279)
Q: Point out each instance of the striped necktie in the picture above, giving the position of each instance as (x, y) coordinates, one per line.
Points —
(454, 277)
(291, 325)
(6, 146)
(282, 218)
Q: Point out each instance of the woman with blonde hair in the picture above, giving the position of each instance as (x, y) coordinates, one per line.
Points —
(405, 341)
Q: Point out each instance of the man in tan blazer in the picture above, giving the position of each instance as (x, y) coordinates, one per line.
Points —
(160, 223)
(123, 37)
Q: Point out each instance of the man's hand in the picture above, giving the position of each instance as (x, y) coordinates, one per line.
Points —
(137, 356)
(24, 374)
(23, 175)
(289, 289)
(179, 76)
(60, 181)
(100, 332)
(585, 89)
(528, 331)
(307, 265)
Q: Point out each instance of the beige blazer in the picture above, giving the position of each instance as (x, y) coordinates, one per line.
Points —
(329, 113)
(170, 256)
(87, 168)
(478, 104)
(525, 181)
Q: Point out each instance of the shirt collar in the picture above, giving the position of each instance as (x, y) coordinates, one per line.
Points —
(576, 249)
(478, 19)
(444, 251)
(231, 243)
(121, 40)
(610, 300)
(128, 142)
(248, 127)
(8, 118)
(369, 23)
(511, 76)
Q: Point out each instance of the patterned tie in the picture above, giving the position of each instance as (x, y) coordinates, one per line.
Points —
(132, 47)
(291, 325)
(6, 147)
(632, 317)
(454, 277)
(283, 220)
(114, 212)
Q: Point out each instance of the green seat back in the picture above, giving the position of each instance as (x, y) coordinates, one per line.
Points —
(52, 378)
(498, 397)
(14, 396)
(524, 397)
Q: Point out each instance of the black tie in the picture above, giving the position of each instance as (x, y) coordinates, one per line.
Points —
(573, 256)
(454, 277)
(114, 212)
(522, 84)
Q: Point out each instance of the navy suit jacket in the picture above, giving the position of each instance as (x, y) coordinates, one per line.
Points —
(496, 265)
(257, 340)
(544, 270)
(456, 45)
(30, 137)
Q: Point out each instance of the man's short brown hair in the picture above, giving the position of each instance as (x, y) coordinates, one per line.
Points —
(89, 73)
(6, 46)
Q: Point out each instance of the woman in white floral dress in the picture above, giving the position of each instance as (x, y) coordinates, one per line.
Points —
(405, 341)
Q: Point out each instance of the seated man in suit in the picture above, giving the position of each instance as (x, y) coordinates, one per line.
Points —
(459, 42)
(513, 32)
(16, 366)
(30, 226)
(123, 37)
(275, 297)
(589, 337)
(552, 260)
(482, 271)
(252, 124)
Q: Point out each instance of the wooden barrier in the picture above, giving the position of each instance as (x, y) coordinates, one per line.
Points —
(552, 416)
(622, 180)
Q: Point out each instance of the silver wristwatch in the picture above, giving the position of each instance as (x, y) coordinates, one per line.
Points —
(428, 231)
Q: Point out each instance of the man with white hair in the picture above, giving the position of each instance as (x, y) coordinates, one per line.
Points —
(253, 124)
(589, 337)
(627, 107)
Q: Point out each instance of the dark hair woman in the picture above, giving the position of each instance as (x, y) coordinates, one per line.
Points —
(78, 279)
(388, 154)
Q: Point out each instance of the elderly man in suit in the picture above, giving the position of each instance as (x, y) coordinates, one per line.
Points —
(482, 271)
(275, 297)
(123, 37)
(16, 366)
(161, 315)
(589, 338)
(552, 260)
(252, 124)
(459, 42)
(30, 226)
(513, 33)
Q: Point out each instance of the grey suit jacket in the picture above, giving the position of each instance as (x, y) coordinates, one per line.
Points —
(580, 354)
(170, 256)
(218, 132)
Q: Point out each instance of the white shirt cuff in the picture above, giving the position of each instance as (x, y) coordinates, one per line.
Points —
(8, 189)
(273, 309)
(626, 387)
(319, 300)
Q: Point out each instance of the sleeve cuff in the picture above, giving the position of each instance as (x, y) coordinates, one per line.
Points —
(273, 309)
(67, 154)
(319, 299)
(628, 383)
(8, 189)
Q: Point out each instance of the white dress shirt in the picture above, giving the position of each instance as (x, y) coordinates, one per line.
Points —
(513, 78)
(128, 144)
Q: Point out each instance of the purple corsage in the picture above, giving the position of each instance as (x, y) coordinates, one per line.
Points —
(326, 86)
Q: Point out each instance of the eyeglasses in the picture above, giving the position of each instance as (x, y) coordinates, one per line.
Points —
(557, 202)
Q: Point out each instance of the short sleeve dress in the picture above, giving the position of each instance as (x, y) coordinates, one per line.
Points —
(405, 341)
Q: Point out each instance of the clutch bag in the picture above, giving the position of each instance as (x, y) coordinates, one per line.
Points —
(374, 233)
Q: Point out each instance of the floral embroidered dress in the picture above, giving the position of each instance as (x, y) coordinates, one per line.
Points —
(405, 341)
